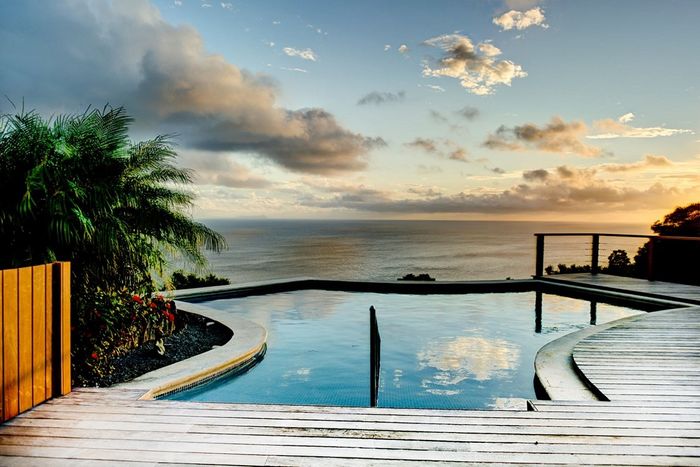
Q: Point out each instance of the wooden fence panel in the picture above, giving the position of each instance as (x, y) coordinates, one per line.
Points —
(24, 318)
(49, 333)
(39, 334)
(64, 314)
(10, 344)
(34, 336)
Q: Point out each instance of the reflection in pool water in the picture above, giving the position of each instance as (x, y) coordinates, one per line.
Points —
(461, 358)
(438, 351)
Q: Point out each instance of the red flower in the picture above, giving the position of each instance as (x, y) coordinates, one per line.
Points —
(137, 299)
(94, 356)
(153, 305)
(167, 305)
(171, 317)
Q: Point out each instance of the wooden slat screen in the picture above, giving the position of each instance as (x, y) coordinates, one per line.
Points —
(34, 336)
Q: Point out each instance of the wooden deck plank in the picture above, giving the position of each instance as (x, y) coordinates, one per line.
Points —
(476, 417)
(482, 443)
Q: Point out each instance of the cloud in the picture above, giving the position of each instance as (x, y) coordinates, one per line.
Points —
(219, 169)
(649, 160)
(610, 129)
(581, 175)
(124, 53)
(387, 47)
(317, 30)
(432, 87)
(306, 54)
(537, 175)
(403, 48)
(459, 155)
(226, 5)
(438, 117)
(476, 68)
(426, 144)
(297, 70)
(559, 190)
(428, 192)
(469, 113)
(521, 20)
(557, 136)
(378, 98)
(451, 150)
(626, 118)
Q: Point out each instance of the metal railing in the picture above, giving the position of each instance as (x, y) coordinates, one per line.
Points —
(375, 343)
(652, 241)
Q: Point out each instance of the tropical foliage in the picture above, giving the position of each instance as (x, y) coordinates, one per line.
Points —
(75, 188)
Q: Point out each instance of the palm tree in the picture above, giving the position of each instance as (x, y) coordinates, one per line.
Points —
(77, 189)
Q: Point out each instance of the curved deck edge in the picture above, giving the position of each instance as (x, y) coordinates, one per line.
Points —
(247, 344)
(556, 370)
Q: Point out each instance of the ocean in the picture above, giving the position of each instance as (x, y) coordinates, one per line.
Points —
(385, 250)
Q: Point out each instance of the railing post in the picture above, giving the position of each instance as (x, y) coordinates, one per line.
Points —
(595, 248)
(374, 357)
(650, 259)
(539, 256)
(538, 312)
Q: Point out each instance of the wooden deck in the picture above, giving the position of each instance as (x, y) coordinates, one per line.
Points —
(649, 368)
(654, 289)
(111, 427)
(653, 358)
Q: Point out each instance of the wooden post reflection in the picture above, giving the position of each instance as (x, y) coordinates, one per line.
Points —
(594, 312)
(538, 312)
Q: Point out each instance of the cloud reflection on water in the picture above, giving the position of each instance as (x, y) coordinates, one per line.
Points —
(464, 357)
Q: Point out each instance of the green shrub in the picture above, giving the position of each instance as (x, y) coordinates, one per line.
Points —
(115, 322)
(182, 280)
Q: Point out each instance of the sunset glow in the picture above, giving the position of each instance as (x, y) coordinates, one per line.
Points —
(515, 109)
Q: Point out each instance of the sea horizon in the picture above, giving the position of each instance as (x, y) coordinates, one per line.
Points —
(374, 249)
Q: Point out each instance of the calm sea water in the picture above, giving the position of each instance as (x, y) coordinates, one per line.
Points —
(385, 250)
(437, 351)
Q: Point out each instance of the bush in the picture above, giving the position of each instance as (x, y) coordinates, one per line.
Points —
(419, 277)
(114, 323)
(182, 280)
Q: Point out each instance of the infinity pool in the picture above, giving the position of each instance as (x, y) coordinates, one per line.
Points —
(438, 351)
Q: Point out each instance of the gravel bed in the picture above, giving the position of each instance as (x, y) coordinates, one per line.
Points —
(196, 337)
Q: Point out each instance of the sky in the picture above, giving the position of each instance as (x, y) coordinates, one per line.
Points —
(500, 109)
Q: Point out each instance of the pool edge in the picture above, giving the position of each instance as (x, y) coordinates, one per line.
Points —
(247, 344)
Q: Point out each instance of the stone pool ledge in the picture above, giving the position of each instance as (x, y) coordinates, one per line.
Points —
(247, 343)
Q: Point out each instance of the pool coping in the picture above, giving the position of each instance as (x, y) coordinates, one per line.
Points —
(554, 367)
(247, 343)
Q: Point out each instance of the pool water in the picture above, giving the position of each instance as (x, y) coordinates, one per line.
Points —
(437, 351)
